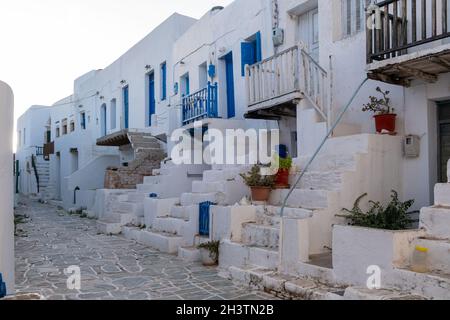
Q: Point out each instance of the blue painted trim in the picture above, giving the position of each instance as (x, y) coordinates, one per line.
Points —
(204, 218)
(199, 105)
(231, 103)
(151, 97)
(125, 94)
(164, 81)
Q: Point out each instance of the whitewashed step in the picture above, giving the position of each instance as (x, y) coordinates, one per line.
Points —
(188, 199)
(438, 254)
(189, 254)
(208, 187)
(109, 228)
(262, 212)
(365, 294)
(327, 180)
(161, 241)
(183, 213)
(168, 225)
(260, 235)
(131, 233)
(136, 197)
(436, 221)
(222, 175)
(237, 254)
(442, 195)
(152, 180)
(120, 218)
(300, 198)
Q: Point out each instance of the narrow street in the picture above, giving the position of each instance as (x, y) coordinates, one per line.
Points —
(50, 240)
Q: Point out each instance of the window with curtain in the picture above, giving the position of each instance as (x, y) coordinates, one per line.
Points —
(353, 16)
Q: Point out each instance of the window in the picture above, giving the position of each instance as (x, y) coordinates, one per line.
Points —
(19, 138)
(125, 99)
(185, 85)
(163, 81)
(48, 136)
(151, 109)
(57, 132)
(113, 111)
(72, 126)
(353, 16)
(251, 51)
(64, 127)
(83, 120)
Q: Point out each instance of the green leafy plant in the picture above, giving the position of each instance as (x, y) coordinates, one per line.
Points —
(379, 106)
(392, 217)
(254, 178)
(213, 248)
(283, 163)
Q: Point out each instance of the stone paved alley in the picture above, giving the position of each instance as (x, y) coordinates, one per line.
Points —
(50, 240)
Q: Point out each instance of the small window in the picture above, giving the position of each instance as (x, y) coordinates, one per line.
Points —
(353, 16)
(203, 75)
(163, 81)
(251, 51)
(185, 85)
(113, 114)
(57, 132)
(83, 120)
(72, 126)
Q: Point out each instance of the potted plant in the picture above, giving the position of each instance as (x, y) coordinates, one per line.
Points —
(385, 116)
(283, 169)
(209, 253)
(260, 185)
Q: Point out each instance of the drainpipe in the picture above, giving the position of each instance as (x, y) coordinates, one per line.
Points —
(316, 153)
(7, 188)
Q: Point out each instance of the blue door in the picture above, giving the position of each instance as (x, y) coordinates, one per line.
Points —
(231, 108)
(125, 107)
(204, 216)
(151, 97)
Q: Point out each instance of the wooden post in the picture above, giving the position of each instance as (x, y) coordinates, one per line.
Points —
(424, 19)
(414, 20)
(444, 16)
(434, 18)
(395, 28)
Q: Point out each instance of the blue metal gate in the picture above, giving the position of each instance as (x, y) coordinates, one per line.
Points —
(204, 216)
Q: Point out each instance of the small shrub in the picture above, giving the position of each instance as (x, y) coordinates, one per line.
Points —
(392, 217)
(212, 247)
(379, 106)
(255, 179)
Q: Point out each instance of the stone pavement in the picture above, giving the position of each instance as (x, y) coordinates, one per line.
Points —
(50, 240)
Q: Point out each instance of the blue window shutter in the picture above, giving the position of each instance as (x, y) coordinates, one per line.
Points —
(163, 81)
(247, 55)
(258, 46)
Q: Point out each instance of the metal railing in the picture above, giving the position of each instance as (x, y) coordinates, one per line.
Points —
(403, 24)
(200, 105)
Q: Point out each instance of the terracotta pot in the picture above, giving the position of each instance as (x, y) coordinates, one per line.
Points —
(385, 122)
(260, 193)
(282, 178)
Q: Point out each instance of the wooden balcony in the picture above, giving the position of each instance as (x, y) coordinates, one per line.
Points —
(408, 40)
(274, 85)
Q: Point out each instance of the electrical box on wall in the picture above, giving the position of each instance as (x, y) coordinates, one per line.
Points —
(278, 36)
(411, 146)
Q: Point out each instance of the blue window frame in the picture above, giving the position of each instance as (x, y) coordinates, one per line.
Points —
(125, 95)
(151, 97)
(163, 81)
(83, 120)
(251, 51)
(231, 107)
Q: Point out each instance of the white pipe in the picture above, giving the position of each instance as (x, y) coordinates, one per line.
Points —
(6, 187)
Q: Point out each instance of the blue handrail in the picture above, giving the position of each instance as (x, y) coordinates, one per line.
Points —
(199, 105)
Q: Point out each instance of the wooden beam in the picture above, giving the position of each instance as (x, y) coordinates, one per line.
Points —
(440, 61)
(389, 79)
(417, 73)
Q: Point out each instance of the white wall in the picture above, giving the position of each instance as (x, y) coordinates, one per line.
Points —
(6, 185)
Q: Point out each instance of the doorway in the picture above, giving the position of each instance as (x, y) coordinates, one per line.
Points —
(229, 74)
(103, 120)
(151, 98)
(308, 32)
(443, 140)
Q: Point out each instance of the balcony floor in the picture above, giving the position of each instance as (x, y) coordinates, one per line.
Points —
(422, 65)
(274, 108)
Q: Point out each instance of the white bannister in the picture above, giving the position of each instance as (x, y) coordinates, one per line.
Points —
(289, 71)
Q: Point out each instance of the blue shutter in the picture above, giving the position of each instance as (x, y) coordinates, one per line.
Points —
(125, 106)
(204, 216)
(258, 50)
(2, 287)
(247, 55)
(163, 81)
(151, 97)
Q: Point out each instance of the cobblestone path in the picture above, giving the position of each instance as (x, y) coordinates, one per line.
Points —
(50, 240)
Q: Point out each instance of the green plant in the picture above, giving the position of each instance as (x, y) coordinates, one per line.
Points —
(379, 106)
(282, 163)
(212, 247)
(392, 217)
(254, 178)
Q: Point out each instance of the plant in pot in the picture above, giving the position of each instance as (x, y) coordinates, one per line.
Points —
(282, 167)
(260, 185)
(392, 217)
(209, 253)
(385, 116)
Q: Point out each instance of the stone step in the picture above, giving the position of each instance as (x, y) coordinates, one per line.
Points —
(131, 233)
(300, 198)
(363, 293)
(223, 175)
(270, 215)
(188, 199)
(109, 228)
(238, 254)
(260, 235)
(120, 218)
(189, 254)
(442, 195)
(163, 242)
(168, 225)
(183, 213)
(326, 180)
(438, 254)
(151, 180)
(137, 197)
(130, 207)
(436, 221)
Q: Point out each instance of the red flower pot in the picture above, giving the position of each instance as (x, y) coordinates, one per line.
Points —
(282, 178)
(261, 194)
(385, 122)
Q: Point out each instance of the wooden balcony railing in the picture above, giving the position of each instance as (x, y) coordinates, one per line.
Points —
(199, 105)
(400, 25)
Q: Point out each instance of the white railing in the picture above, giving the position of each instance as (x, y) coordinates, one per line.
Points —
(289, 71)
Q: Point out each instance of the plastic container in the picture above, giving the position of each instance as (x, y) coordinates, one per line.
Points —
(420, 260)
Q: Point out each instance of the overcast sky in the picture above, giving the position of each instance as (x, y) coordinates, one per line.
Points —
(46, 44)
